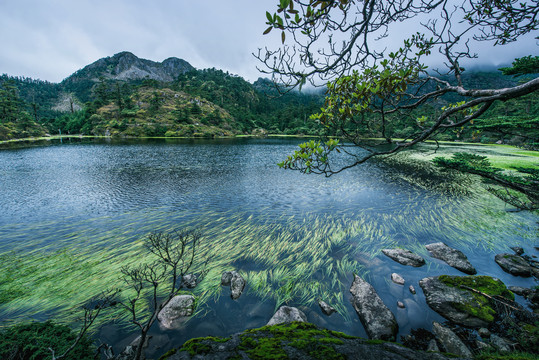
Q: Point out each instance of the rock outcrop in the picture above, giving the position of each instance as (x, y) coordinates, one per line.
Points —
(378, 320)
(404, 257)
(295, 341)
(452, 257)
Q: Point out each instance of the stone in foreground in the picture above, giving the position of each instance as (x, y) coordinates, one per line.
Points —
(449, 297)
(515, 265)
(326, 308)
(287, 314)
(180, 306)
(452, 257)
(378, 320)
(404, 257)
(450, 341)
(294, 341)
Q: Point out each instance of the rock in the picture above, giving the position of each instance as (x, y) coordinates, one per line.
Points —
(404, 257)
(272, 343)
(484, 333)
(482, 346)
(519, 290)
(500, 344)
(180, 306)
(515, 265)
(237, 284)
(189, 281)
(326, 308)
(397, 279)
(287, 314)
(450, 341)
(464, 307)
(452, 257)
(412, 289)
(378, 320)
(400, 304)
(517, 249)
(432, 346)
(227, 277)
(235, 281)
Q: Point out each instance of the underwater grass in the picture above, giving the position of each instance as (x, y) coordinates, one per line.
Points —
(295, 260)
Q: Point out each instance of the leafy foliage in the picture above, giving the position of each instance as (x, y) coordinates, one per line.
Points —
(522, 66)
(32, 342)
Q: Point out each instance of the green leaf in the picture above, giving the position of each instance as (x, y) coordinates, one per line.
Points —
(267, 30)
(270, 18)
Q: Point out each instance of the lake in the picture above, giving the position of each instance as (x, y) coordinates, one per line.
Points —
(73, 213)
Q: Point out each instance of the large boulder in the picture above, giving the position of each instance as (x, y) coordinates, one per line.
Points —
(516, 265)
(287, 314)
(295, 341)
(452, 257)
(450, 341)
(450, 297)
(378, 320)
(178, 308)
(404, 257)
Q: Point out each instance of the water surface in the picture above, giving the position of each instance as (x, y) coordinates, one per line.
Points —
(73, 213)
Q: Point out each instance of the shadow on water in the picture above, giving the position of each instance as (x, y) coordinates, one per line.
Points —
(73, 214)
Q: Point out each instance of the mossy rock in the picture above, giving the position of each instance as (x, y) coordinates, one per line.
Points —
(461, 300)
(297, 340)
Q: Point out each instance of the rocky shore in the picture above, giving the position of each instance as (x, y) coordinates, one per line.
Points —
(481, 313)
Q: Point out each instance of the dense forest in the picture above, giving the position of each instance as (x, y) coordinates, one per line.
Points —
(212, 103)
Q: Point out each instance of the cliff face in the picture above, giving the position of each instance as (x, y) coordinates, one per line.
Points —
(127, 66)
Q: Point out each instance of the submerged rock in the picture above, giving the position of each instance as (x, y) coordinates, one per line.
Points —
(235, 281)
(452, 257)
(378, 320)
(516, 265)
(237, 284)
(450, 341)
(446, 295)
(400, 304)
(404, 257)
(412, 289)
(287, 314)
(326, 308)
(180, 306)
(190, 281)
(397, 279)
(518, 250)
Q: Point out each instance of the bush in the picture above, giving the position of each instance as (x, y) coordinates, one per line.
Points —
(32, 342)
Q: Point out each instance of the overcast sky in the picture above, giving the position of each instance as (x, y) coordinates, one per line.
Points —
(51, 39)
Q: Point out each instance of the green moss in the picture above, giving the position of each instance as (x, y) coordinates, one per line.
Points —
(169, 353)
(342, 335)
(196, 347)
(485, 284)
(479, 306)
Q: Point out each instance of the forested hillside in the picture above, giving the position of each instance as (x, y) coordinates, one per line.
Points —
(126, 96)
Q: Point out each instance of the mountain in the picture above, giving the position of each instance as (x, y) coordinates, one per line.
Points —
(124, 66)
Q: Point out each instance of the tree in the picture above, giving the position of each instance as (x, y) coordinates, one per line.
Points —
(383, 101)
(175, 256)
